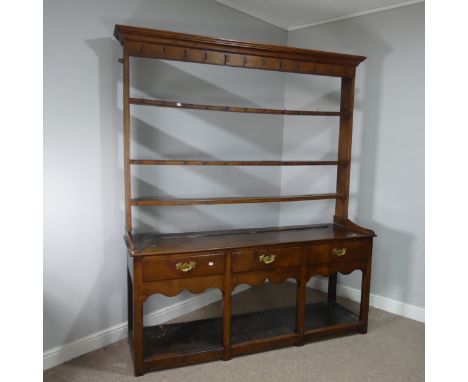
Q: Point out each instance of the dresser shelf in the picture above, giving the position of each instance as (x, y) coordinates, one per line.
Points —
(230, 200)
(201, 336)
(196, 261)
(232, 109)
(185, 162)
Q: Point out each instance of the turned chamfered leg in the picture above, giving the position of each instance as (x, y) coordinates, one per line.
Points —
(332, 280)
(365, 293)
(138, 300)
(227, 310)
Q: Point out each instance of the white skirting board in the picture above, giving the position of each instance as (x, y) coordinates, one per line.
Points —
(389, 305)
(97, 340)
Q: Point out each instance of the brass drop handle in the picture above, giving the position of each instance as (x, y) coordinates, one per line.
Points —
(267, 259)
(185, 267)
(339, 251)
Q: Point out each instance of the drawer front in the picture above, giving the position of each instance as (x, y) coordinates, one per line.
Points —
(182, 265)
(338, 251)
(249, 260)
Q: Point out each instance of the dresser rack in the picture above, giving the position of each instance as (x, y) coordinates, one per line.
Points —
(170, 263)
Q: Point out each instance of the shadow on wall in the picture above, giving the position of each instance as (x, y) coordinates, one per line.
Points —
(194, 83)
(222, 86)
(148, 136)
(101, 304)
(108, 51)
(182, 134)
(390, 259)
(392, 247)
(113, 265)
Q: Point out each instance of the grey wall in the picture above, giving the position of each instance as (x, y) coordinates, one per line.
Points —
(387, 180)
(84, 253)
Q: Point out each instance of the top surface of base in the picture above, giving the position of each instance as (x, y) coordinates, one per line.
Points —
(155, 244)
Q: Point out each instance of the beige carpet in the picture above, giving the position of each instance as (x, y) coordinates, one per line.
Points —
(392, 350)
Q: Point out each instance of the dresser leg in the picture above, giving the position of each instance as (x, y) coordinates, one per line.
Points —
(227, 293)
(138, 334)
(301, 300)
(365, 293)
(129, 301)
(227, 325)
(332, 280)
(137, 302)
(300, 312)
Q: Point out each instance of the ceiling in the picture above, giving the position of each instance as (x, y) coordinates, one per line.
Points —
(296, 14)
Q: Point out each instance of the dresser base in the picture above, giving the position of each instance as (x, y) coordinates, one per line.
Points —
(169, 264)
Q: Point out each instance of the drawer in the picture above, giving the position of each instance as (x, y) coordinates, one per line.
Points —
(338, 251)
(182, 265)
(250, 260)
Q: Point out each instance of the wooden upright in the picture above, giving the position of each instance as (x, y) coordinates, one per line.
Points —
(170, 263)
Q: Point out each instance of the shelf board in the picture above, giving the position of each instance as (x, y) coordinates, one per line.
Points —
(232, 109)
(230, 200)
(181, 162)
(199, 336)
(325, 314)
(183, 338)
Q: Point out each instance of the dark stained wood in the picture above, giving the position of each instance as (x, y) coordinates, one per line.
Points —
(231, 109)
(205, 335)
(137, 332)
(323, 314)
(345, 267)
(172, 266)
(332, 331)
(344, 146)
(248, 61)
(301, 299)
(365, 294)
(263, 344)
(185, 337)
(325, 253)
(250, 332)
(275, 275)
(230, 200)
(125, 33)
(130, 264)
(166, 361)
(227, 292)
(126, 125)
(152, 43)
(244, 261)
(129, 301)
(180, 162)
(332, 281)
(195, 261)
(273, 237)
(348, 224)
(181, 359)
(263, 324)
(173, 287)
